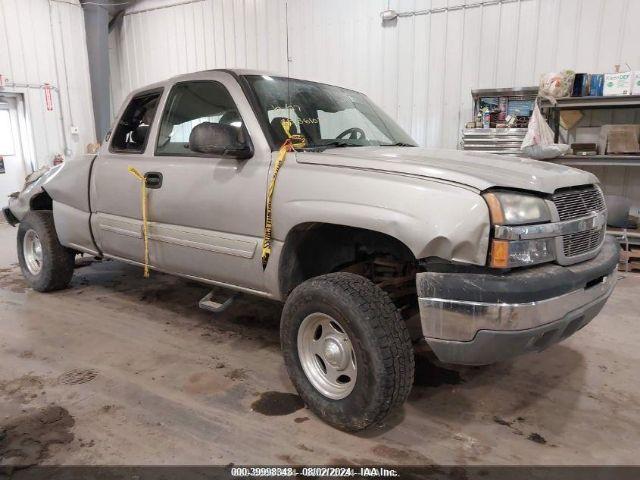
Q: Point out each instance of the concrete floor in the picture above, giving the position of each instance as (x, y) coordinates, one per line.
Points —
(125, 370)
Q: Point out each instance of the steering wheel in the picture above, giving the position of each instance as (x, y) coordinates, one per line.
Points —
(354, 133)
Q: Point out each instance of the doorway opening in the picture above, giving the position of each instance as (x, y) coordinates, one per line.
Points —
(15, 155)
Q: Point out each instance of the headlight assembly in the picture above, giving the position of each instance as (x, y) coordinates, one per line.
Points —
(511, 208)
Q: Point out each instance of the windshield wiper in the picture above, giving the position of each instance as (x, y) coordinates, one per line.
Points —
(397, 144)
(334, 144)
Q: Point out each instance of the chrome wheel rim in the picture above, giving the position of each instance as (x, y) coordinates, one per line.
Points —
(32, 250)
(327, 356)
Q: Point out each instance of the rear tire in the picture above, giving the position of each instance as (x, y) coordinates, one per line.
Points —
(344, 326)
(45, 263)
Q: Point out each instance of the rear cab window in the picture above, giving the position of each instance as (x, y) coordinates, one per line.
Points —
(132, 131)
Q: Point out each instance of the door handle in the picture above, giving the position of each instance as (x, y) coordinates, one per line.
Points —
(153, 179)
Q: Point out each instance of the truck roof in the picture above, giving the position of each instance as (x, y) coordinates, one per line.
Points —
(202, 73)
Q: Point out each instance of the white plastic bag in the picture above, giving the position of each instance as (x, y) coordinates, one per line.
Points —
(556, 84)
(538, 142)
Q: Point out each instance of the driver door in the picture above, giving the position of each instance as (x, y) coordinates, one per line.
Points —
(206, 211)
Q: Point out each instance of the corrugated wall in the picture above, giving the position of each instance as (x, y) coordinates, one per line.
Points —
(420, 68)
(41, 42)
(160, 41)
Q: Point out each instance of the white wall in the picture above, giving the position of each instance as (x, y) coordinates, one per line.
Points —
(420, 70)
(41, 42)
(157, 42)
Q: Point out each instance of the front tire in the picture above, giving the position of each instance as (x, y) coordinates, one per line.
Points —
(347, 351)
(45, 263)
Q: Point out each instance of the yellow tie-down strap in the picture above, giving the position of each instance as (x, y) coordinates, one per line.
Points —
(145, 228)
(291, 143)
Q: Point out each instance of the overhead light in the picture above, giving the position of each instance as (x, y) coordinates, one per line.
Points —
(388, 15)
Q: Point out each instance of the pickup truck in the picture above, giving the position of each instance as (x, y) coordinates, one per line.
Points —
(309, 194)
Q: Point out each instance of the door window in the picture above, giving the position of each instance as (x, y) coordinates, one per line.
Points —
(190, 104)
(132, 132)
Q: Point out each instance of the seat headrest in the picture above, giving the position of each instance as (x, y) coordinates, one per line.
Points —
(139, 135)
(210, 137)
(230, 117)
(278, 130)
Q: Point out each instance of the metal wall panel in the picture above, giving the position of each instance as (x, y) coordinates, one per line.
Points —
(420, 68)
(41, 42)
(158, 39)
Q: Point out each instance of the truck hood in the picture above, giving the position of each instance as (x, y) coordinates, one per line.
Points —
(474, 169)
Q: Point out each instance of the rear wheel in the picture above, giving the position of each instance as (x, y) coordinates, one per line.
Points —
(45, 263)
(346, 349)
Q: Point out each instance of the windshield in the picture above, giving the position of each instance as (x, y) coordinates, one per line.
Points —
(325, 115)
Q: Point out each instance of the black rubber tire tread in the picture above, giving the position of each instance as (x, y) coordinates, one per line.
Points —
(387, 333)
(58, 261)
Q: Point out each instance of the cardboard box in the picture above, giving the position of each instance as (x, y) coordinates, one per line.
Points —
(617, 83)
(619, 139)
(635, 88)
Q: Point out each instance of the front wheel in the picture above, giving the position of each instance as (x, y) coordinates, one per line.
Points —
(45, 263)
(346, 349)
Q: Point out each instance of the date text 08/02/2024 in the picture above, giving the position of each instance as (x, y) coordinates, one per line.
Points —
(336, 472)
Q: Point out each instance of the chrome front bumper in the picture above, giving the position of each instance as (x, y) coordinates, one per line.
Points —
(481, 318)
(460, 320)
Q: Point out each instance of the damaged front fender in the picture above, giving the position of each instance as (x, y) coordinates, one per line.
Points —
(20, 204)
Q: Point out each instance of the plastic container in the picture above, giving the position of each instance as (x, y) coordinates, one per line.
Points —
(596, 85)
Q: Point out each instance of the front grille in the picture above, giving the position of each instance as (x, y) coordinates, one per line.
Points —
(582, 242)
(578, 202)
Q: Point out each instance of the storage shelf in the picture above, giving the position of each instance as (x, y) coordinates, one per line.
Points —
(505, 141)
(490, 132)
(599, 160)
(512, 92)
(632, 234)
(584, 103)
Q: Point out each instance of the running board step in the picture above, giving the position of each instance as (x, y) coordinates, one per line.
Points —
(207, 304)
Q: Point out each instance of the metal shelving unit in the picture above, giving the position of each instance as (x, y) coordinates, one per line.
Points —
(627, 236)
(580, 103)
(493, 140)
(599, 160)
(585, 103)
(505, 141)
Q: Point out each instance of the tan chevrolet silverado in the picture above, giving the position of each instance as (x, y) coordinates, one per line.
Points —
(374, 244)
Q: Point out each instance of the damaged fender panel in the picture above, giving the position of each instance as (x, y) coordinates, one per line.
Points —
(67, 185)
(70, 184)
(407, 208)
(21, 204)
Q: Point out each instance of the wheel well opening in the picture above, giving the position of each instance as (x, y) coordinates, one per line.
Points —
(41, 201)
(314, 249)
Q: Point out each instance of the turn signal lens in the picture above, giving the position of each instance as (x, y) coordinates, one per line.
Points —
(510, 254)
(499, 254)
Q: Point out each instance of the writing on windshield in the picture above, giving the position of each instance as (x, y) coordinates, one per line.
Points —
(326, 115)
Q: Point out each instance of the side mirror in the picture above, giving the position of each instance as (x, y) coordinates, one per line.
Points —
(221, 140)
